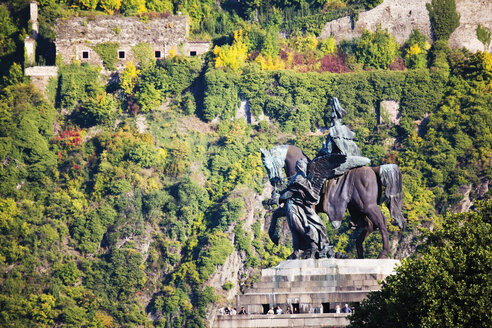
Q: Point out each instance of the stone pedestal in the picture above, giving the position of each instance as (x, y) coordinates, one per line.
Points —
(312, 287)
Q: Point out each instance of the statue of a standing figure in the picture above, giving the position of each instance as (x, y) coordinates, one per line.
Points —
(340, 139)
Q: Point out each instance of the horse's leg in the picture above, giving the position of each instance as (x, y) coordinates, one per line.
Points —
(368, 229)
(273, 231)
(379, 220)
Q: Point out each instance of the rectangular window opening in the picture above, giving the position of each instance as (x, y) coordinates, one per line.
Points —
(157, 54)
(192, 53)
(85, 54)
(121, 54)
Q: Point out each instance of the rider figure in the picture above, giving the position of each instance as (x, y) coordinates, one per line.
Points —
(340, 139)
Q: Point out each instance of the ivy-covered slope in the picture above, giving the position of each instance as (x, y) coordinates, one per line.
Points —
(122, 201)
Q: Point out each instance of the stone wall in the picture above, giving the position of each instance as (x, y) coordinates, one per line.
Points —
(77, 35)
(196, 48)
(30, 50)
(40, 76)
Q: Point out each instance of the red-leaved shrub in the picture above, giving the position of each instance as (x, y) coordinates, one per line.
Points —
(333, 63)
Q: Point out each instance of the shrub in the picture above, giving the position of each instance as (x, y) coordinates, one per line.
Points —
(376, 49)
(333, 63)
(108, 52)
(416, 49)
(234, 56)
(328, 46)
(99, 110)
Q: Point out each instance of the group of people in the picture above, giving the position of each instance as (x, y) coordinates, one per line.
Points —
(232, 311)
(278, 310)
(346, 309)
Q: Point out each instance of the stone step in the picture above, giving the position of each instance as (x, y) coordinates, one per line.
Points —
(317, 284)
(311, 289)
(305, 298)
(324, 277)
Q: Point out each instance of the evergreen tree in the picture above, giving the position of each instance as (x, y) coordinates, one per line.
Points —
(444, 18)
(449, 284)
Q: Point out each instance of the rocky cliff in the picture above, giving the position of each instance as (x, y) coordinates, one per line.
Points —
(400, 17)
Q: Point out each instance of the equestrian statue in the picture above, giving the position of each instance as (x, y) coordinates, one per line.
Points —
(337, 179)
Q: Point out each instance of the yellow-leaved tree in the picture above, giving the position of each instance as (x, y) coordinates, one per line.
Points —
(129, 78)
(87, 4)
(233, 56)
(270, 63)
(110, 6)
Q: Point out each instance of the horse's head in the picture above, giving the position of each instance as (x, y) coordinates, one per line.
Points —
(271, 166)
(268, 162)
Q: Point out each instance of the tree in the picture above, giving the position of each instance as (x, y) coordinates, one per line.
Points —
(129, 78)
(376, 49)
(233, 56)
(444, 18)
(133, 7)
(448, 284)
(109, 6)
(7, 37)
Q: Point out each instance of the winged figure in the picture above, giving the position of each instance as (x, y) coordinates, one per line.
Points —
(309, 237)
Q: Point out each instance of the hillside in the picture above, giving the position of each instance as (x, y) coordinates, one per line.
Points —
(133, 192)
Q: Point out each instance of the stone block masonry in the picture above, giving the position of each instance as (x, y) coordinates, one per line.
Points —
(77, 36)
(313, 288)
(40, 76)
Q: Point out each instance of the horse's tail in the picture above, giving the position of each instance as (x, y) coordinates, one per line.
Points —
(390, 177)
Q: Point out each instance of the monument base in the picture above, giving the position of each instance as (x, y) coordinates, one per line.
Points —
(325, 320)
(310, 287)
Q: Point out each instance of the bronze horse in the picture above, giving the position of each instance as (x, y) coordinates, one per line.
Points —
(359, 190)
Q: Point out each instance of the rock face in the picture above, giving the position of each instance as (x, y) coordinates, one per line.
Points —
(390, 109)
(234, 270)
(400, 17)
(473, 12)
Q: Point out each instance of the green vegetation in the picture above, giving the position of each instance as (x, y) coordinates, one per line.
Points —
(124, 198)
(444, 18)
(108, 52)
(483, 35)
(449, 275)
(143, 54)
(376, 49)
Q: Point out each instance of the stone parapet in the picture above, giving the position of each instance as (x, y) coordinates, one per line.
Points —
(327, 320)
(42, 71)
(41, 75)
